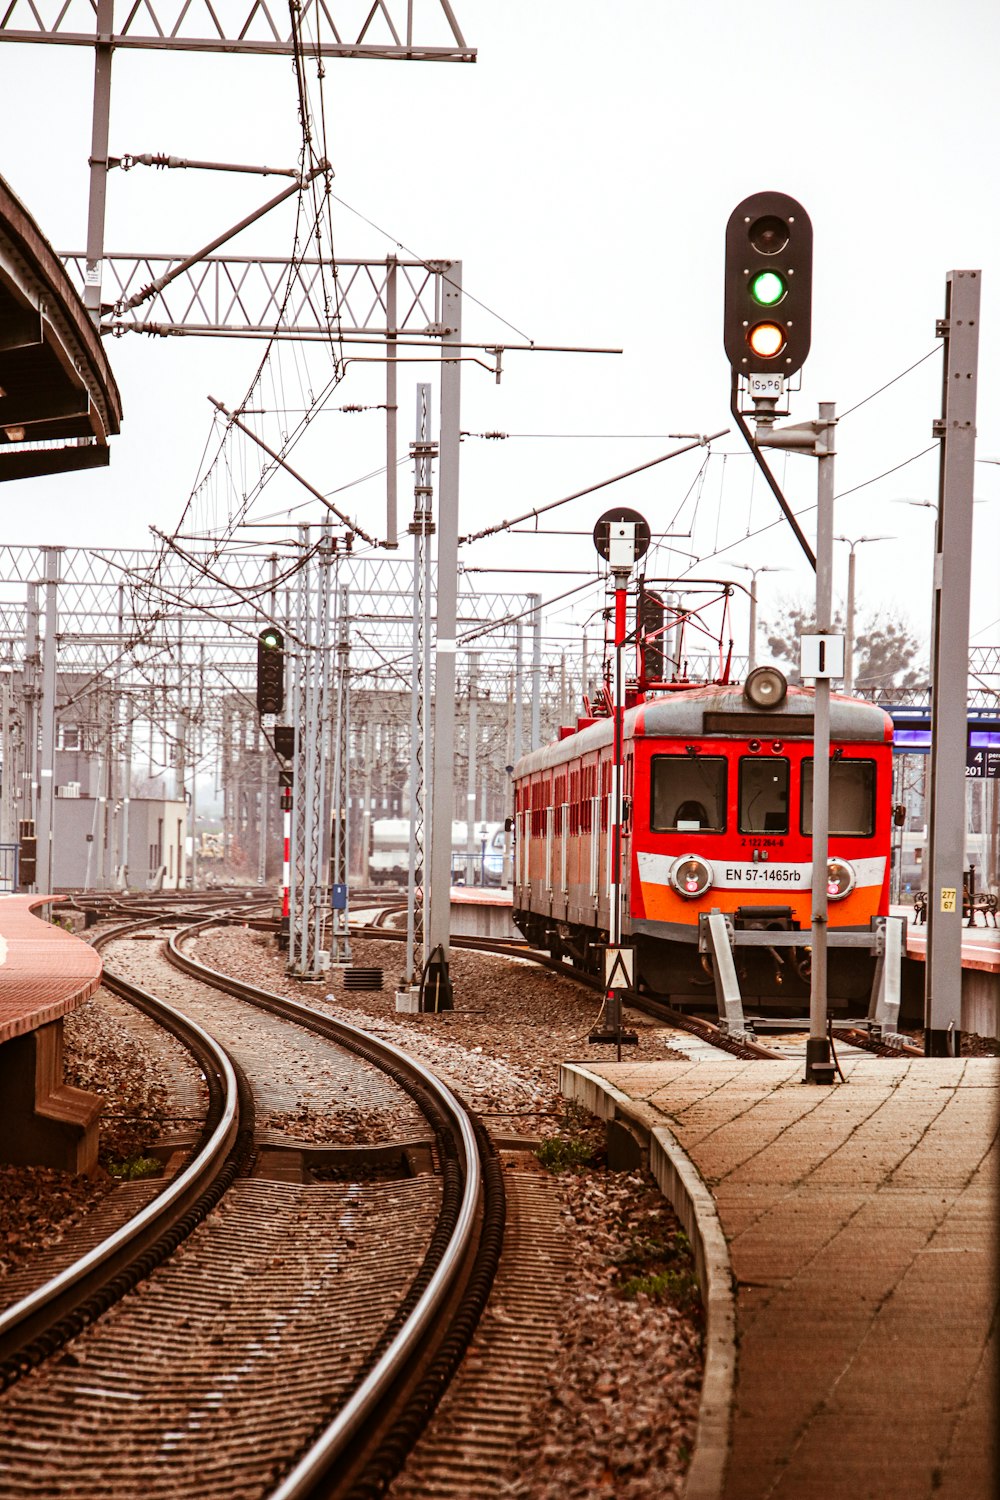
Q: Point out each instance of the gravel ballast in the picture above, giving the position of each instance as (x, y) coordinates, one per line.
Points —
(620, 1415)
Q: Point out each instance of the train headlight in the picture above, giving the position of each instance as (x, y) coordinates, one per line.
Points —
(765, 687)
(840, 879)
(691, 876)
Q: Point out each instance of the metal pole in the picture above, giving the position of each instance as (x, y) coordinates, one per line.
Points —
(365, 838)
(126, 803)
(421, 529)
(752, 651)
(99, 158)
(416, 759)
(438, 991)
(536, 671)
(950, 666)
(518, 692)
(6, 800)
(340, 943)
(818, 1046)
(470, 795)
(46, 776)
(300, 679)
(29, 776)
(615, 894)
(849, 632)
(391, 474)
(106, 876)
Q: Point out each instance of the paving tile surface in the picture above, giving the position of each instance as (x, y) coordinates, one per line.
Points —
(44, 970)
(861, 1222)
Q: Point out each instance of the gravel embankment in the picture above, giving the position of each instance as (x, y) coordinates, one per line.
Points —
(105, 1054)
(622, 1407)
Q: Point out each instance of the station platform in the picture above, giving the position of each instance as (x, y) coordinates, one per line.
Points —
(482, 911)
(980, 972)
(845, 1239)
(45, 972)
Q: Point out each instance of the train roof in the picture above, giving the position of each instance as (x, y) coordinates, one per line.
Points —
(714, 712)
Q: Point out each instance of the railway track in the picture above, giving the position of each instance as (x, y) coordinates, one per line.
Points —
(505, 1368)
(852, 1038)
(697, 1026)
(395, 1379)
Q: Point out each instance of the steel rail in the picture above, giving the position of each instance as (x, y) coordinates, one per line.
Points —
(35, 1318)
(699, 1026)
(363, 1405)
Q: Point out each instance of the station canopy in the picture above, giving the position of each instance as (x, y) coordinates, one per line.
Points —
(59, 403)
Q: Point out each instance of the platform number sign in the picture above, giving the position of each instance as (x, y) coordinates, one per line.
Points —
(983, 764)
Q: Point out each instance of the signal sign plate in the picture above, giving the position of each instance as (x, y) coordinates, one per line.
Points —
(619, 968)
(766, 385)
(602, 531)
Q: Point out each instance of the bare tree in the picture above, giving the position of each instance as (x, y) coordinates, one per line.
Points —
(886, 652)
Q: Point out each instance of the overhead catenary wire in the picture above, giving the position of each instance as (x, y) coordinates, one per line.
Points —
(540, 510)
(808, 509)
(429, 265)
(916, 363)
(345, 520)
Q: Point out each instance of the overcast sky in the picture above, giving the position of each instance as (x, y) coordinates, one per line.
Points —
(583, 170)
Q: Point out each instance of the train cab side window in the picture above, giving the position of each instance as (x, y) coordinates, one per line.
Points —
(852, 797)
(763, 794)
(687, 794)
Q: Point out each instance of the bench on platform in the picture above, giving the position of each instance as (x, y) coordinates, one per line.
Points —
(45, 972)
(972, 904)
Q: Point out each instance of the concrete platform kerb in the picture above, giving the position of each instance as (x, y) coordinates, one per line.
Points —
(845, 1241)
(681, 1183)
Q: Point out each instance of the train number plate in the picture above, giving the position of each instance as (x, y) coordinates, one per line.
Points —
(765, 876)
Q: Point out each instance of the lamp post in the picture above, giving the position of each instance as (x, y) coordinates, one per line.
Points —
(752, 653)
(849, 629)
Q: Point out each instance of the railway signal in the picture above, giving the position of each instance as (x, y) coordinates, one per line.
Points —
(768, 305)
(270, 671)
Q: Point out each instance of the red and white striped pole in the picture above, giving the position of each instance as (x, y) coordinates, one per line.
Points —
(286, 867)
(285, 933)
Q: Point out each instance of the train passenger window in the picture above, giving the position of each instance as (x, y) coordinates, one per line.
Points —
(763, 794)
(687, 794)
(852, 797)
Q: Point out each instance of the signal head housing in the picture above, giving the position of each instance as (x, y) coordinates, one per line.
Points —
(270, 671)
(768, 305)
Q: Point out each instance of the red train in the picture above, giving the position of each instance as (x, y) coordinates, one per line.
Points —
(716, 814)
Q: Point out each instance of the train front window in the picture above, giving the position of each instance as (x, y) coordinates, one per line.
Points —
(687, 794)
(763, 794)
(852, 797)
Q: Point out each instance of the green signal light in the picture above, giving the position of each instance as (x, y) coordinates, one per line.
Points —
(767, 288)
(270, 640)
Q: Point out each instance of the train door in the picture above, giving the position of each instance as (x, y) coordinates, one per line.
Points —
(559, 873)
(605, 846)
(624, 873)
(574, 874)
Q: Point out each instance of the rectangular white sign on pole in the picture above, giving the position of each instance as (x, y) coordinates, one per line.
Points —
(821, 656)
